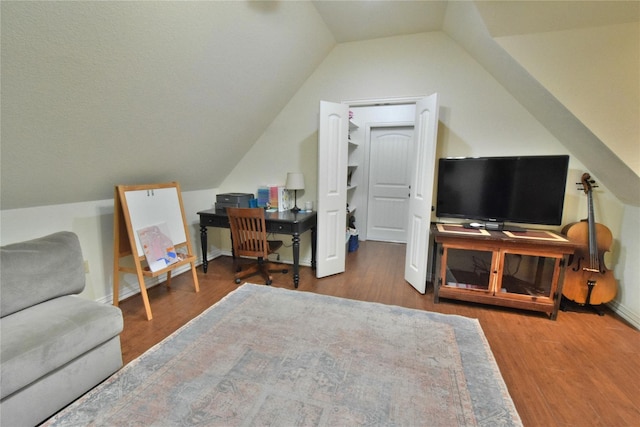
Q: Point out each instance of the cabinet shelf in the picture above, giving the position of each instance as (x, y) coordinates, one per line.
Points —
(352, 126)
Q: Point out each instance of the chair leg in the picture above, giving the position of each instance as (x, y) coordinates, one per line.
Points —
(248, 272)
(277, 268)
(262, 267)
(264, 270)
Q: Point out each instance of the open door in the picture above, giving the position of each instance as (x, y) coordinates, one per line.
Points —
(426, 135)
(332, 188)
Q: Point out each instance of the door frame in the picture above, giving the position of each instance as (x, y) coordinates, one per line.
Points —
(421, 287)
(382, 102)
(375, 102)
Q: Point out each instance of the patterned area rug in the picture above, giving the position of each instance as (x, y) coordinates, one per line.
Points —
(275, 357)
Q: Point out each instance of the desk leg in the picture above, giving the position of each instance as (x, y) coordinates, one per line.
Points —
(313, 248)
(296, 259)
(203, 243)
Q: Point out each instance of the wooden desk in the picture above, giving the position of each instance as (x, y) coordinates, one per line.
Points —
(293, 224)
(512, 269)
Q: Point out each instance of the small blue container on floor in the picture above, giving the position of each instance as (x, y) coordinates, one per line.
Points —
(353, 243)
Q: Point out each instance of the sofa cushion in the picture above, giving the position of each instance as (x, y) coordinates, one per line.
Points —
(36, 341)
(39, 270)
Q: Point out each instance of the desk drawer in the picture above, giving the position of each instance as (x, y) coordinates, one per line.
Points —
(214, 221)
(279, 227)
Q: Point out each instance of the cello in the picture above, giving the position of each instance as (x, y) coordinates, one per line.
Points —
(587, 280)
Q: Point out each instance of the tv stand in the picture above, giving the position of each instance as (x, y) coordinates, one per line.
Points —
(517, 269)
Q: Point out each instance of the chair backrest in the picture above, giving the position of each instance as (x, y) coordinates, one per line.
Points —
(248, 232)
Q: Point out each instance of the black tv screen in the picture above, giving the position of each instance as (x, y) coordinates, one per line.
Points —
(523, 189)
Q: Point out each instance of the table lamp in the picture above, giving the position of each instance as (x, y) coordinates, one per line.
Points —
(295, 182)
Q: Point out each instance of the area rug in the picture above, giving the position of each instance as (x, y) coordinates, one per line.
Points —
(267, 356)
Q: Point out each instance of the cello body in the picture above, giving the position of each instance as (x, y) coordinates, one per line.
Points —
(577, 274)
(587, 280)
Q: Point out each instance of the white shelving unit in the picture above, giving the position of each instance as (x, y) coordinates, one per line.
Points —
(352, 166)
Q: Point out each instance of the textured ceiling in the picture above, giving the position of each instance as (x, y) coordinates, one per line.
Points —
(503, 18)
(363, 20)
(96, 94)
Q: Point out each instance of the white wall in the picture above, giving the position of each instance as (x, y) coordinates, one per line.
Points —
(477, 117)
(627, 267)
(93, 223)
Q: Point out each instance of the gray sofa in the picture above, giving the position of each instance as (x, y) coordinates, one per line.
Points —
(54, 345)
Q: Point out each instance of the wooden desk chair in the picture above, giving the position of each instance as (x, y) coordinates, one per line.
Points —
(249, 238)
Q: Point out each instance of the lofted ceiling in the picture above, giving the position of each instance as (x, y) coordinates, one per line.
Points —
(96, 92)
(527, 31)
(363, 20)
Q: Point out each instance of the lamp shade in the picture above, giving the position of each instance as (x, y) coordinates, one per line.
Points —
(295, 181)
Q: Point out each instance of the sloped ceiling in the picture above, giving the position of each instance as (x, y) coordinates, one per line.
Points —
(364, 20)
(594, 114)
(96, 94)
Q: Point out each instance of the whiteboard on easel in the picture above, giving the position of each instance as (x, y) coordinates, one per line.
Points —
(154, 206)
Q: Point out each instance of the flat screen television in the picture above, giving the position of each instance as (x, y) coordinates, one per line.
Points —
(496, 190)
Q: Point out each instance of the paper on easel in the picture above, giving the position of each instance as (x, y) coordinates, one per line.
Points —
(158, 246)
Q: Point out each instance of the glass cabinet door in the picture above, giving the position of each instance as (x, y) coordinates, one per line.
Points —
(467, 269)
(528, 275)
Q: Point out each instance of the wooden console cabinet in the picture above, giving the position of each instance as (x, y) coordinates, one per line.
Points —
(522, 270)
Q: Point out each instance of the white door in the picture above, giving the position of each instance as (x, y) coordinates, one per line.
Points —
(332, 188)
(390, 151)
(419, 218)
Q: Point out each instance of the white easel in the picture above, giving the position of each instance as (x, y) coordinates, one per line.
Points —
(139, 206)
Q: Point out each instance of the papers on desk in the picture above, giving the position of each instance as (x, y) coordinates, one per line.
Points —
(274, 197)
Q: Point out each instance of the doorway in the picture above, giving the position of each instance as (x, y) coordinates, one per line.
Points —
(338, 155)
(390, 150)
(374, 118)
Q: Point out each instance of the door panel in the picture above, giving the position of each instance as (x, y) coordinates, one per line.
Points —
(332, 188)
(389, 179)
(419, 217)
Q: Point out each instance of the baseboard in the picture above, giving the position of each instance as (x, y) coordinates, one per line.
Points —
(153, 281)
(625, 313)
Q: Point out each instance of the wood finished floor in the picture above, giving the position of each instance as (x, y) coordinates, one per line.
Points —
(581, 370)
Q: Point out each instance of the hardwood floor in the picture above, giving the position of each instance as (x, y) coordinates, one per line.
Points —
(581, 370)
